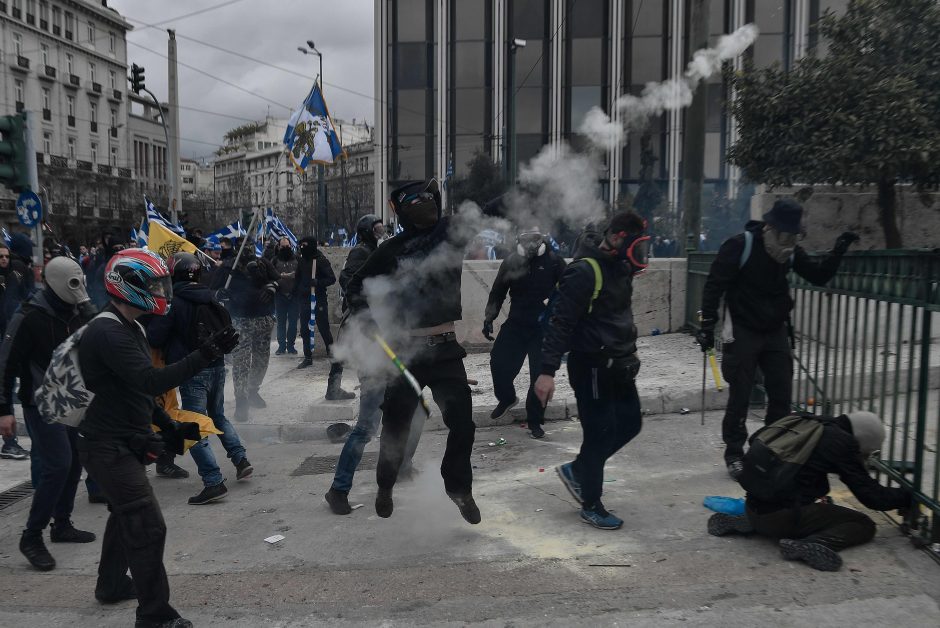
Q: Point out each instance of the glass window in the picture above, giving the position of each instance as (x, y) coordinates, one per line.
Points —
(716, 21)
(527, 147)
(469, 65)
(113, 79)
(69, 63)
(411, 155)
(528, 18)
(470, 110)
(71, 148)
(587, 62)
(111, 42)
(91, 34)
(647, 18)
(769, 15)
(582, 100)
(69, 24)
(411, 111)
(586, 18)
(44, 53)
(529, 109)
(93, 108)
(46, 98)
(47, 143)
(647, 62)
(412, 66)
(465, 148)
(94, 152)
(114, 155)
(715, 102)
(57, 17)
(44, 15)
(91, 73)
(768, 49)
(17, 44)
(70, 102)
(712, 155)
(529, 63)
(470, 19)
(18, 90)
(412, 20)
(114, 118)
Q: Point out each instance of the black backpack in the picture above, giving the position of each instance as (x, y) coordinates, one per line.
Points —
(776, 454)
(208, 318)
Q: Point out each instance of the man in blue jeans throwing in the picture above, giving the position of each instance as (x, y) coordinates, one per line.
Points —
(195, 315)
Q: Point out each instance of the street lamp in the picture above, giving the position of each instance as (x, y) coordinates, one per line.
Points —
(321, 186)
(511, 158)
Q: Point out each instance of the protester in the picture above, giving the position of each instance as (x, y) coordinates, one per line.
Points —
(195, 316)
(251, 304)
(423, 265)
(592, 318)
(806, 522)
(529, 275)
(16, 284)
(37, 328)
(315, 272)
(117, 441)
(214, 251)
(285, 303)
(750, 272)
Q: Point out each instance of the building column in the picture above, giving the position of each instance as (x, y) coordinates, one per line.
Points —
(442, 82)
(380, 44)
(615, 154)
(734, 173)
(800, 28)
(499, 79)
(556, 107)
(674, 123)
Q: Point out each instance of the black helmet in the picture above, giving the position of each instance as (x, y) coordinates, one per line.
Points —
(365, 228)
(185, 267)
(417, 204)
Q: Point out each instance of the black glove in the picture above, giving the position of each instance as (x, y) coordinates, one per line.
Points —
(219, 344)
(267, 292)
(177, 433)
(488, 330)
(843, 242)
(147, 447)
(706, 335)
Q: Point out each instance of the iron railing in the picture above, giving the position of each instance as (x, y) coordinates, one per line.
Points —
(870, 340)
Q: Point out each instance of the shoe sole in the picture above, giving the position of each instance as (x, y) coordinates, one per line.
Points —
(564, 481)
(536, 436)
(208, 501)
(245, 474)
(470, 516)
(14, 456)
(601, 527)
(347, 511)
(506, 411)
(815, 555)
(720, 524)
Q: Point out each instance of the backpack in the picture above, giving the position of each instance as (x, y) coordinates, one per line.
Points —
(62, 397)
(598, 284)
(776, 454)
(208, 318)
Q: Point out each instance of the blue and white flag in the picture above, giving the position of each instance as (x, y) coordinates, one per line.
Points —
(310, 136)
(278, 229)
(143, 233)
(6, 236)
(232, 231)
(155, 216)
(259, 239)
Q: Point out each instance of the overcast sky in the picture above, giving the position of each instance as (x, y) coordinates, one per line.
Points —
(267, 30)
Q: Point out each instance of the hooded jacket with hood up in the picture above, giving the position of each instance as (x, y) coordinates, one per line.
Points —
(325, 275)
(250, 279)
(171, 333)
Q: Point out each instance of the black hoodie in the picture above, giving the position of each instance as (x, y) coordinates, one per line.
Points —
(171, 333)
(325, 275)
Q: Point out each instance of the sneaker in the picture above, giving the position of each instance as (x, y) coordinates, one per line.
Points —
(815, 555)
(208, 495)
(243, 469)
(179, 622)
(65, 532)
(12, 451)
(241, 412)
(468, 507)
(735, 469)
(503, 408)
(383, 503)
(336, 393)
(536, 431)
(280, 352)
(720, 524)
(35, 551)
(172, 471)
(305, 363)
(255, 401)
(126, 591)
(600, 518)
(291, 351)
(566, 475)
(338, 501)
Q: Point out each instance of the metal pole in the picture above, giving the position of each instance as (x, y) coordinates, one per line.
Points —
(508, 149)
(33, 173)
(173, 148)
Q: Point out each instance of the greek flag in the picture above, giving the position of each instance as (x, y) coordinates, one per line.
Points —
(259, 239)
(155, 216)
(310, 136)
(278, 229)
(231, 231)
(143, 233)
(6, 236)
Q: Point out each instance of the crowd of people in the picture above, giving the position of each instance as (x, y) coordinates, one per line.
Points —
(143, 326)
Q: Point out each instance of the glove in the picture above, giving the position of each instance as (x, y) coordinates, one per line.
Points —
(267, 292)
(219, 344)
(706, 336)
(843, 242)
(177, 433)
(223, 294)
(147, 447)
(488, 330)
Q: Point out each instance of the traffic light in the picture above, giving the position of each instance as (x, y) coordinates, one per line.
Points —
(14, 172)
(137, 78)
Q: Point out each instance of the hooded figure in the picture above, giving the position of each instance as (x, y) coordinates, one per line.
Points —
(285, 262)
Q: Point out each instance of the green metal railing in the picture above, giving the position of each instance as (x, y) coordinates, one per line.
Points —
(870, 340)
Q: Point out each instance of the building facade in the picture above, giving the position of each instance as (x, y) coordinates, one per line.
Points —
(350, 186)
(447, 75)
(148, 148)
(64, 62)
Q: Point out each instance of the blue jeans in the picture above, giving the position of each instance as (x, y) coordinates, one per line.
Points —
(55, 469)
(285, 310)
(204, 393)
(371, 394)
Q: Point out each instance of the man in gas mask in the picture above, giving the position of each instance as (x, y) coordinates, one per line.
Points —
(592, 317)
(750, 272)
(37, 328)
(418, 296)
(528, 274)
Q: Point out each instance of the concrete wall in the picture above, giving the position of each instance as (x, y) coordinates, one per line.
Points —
(830, 210)
(658, 297)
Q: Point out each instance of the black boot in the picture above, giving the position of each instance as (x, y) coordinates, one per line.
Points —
(35, 551)
(338, 501)
(333, 390)
(64, 532)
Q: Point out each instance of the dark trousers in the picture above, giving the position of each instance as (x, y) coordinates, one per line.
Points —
(834, 526)
(322, 320)
(516, 341)
(751, 349)
(285, 310)
(441, 369)
(56, 469)
(610, 416)
(135, 533)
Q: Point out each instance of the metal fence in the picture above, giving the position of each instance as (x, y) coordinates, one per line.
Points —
(870, 340)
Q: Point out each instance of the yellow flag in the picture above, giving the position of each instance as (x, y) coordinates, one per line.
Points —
(166, 243)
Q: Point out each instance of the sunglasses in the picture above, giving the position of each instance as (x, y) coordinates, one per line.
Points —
(4, 257)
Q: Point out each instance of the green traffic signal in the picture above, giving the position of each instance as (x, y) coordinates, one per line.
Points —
(13, 171)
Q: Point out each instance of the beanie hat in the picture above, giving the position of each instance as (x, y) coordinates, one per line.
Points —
(868, 431)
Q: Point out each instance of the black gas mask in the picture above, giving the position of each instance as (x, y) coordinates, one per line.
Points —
(530, 244)
(634, 251)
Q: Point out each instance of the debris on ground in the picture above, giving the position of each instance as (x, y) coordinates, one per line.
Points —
(277, 538)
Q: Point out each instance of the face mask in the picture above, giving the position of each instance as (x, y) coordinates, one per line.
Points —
(779, 245)
(530, 245)
(634, 250)
(66, 280)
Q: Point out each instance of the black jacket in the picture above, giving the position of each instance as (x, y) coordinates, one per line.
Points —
(354, 261)
(171, 332)
(285, 285)
(37, 328)
(117, 367)
(425, 294)
(325, 277)
(248, 284)
(529, 283)
(837, 452)
(17, 280)
(758, 295)
(607, 332)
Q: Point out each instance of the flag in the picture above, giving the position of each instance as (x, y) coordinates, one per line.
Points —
(310, 136)
(231, 231)
(143, 233)
(155, 216)
(259, 240)
(6, 236)
(166, 243)
(278, 229)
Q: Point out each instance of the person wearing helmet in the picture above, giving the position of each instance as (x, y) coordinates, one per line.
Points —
(194, 316)
(808, 525)
(117, 440)
(528, 274)
(38, 327)
(411, 284)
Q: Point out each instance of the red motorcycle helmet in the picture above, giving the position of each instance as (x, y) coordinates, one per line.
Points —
(141, 279)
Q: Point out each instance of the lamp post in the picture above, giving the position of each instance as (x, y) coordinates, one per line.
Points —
(311, 49)
(510, 141)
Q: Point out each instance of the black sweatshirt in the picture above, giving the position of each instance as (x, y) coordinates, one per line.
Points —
(758, 295)
(837, 452)
(529, 283)
(324, 279)
(247, 286)
(116, 365)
